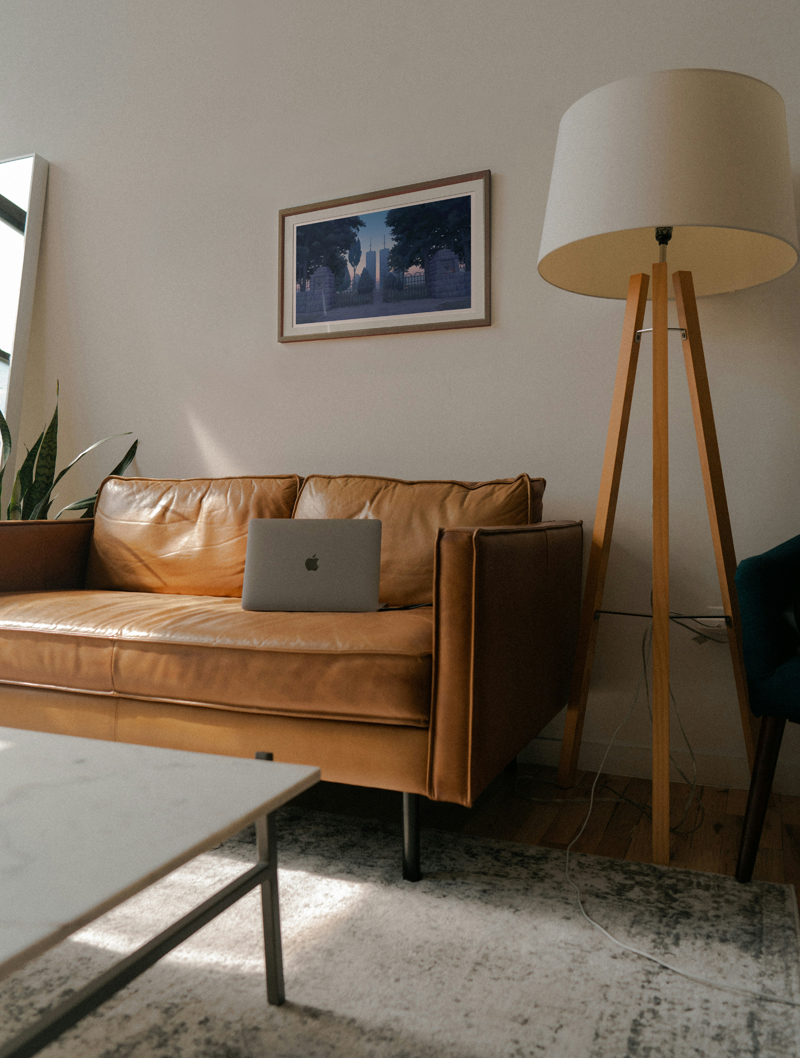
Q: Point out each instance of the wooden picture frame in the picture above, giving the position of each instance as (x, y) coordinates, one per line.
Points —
(425, 249)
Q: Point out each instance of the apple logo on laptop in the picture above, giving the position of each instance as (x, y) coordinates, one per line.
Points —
(312, 563)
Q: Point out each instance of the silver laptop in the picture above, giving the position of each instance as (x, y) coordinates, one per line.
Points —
(327, 564)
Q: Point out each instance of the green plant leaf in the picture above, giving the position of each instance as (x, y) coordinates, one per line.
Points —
(14, 511)
(80, 505)
(88, 504)
(23, 480)
(32, 502)
(126, 460)
(41, 508)
(5, 440)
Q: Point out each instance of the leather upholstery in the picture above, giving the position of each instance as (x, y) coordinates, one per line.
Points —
(392, 758)
(209, 651)
(412, 512)
(424, 701)
(59, 712)
(180, 537)
(44, 555)
(382, 755)
(507, 607)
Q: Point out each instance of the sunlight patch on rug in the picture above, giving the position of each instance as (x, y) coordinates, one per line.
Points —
(486, 957)
(312, 905)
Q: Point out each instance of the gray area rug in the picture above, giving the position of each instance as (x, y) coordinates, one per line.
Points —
(487, 957)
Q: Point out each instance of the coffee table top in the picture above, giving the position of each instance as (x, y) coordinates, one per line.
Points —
(84, 824)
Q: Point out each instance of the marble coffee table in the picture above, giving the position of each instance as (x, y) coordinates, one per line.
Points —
(85, 824)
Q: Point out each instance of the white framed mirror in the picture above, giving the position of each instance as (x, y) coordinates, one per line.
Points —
(22, 189)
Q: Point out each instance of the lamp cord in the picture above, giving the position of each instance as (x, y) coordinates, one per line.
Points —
(710, 982)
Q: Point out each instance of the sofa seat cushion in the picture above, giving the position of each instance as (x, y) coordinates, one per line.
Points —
(412, 512)
(183, 536)
(204, 650)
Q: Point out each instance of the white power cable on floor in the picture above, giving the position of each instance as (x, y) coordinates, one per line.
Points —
(627, 947)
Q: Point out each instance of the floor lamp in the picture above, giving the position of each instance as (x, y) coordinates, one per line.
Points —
(693, 164)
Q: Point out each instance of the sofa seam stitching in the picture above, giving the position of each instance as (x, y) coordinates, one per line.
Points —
(245, 710)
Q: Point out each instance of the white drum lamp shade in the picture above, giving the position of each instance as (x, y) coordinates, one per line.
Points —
(704, 152)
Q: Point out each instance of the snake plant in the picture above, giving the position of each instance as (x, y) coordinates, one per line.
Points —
(32, 494)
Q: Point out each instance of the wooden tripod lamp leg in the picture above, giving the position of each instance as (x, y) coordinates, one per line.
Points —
(716, 499)
(660, 566)
(603, 527)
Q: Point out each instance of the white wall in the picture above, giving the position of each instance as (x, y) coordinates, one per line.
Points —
(175, 133)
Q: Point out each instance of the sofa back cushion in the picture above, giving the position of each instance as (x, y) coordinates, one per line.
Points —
(180, 537)
(412, 512)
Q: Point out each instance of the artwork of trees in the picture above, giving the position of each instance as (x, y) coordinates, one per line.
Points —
(394, 260)
(354, 256)
(419, 231)
(326, 243)
(366, 282)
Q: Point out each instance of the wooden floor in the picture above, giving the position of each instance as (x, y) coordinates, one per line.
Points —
(511, 810)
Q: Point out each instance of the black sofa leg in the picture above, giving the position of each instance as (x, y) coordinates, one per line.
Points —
(769, 744)
(411, 871)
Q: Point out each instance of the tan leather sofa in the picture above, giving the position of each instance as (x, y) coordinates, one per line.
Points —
(130, 627)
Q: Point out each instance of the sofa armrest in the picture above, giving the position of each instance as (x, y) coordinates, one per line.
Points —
(506, 614)
(44, 555)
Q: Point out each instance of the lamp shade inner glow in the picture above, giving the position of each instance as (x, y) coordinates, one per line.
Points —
(705, 152)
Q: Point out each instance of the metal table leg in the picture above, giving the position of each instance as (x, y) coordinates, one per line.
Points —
(268, 854)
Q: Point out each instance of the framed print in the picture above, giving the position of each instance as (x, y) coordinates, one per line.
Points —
(412, 258)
